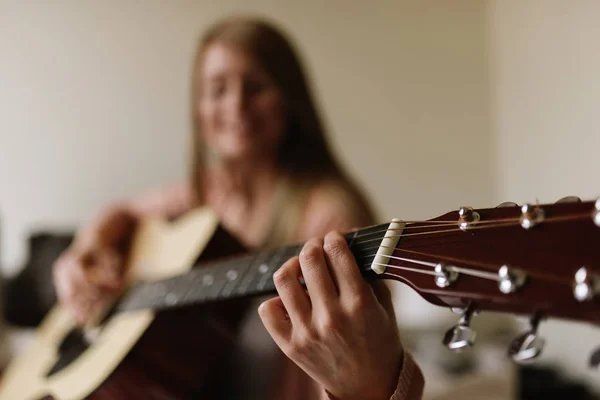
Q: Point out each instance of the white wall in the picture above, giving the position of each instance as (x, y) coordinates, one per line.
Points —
(544, 59)
(93, 104)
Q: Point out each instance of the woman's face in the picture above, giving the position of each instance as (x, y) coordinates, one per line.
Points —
(241, 110)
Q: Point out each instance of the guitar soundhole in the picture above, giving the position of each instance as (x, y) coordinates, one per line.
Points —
(71, 347)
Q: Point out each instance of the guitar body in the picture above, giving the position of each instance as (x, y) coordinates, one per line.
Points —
(139, 354)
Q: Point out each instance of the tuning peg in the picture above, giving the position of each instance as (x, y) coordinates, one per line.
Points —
(569, 199)
(507, 204)
(587, 285)
(531, 215)
(510, 279)
(528, 345)
(466, 217)
(461, 335)
(597, 212)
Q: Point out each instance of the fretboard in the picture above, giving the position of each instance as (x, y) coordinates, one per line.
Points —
(247, 275)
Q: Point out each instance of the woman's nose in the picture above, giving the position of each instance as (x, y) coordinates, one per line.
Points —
(239, 100)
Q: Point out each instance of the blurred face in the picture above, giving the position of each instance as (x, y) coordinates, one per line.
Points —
(241, 110)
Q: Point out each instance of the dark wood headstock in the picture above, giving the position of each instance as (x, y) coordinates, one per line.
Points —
(537, 260)
(540, 263)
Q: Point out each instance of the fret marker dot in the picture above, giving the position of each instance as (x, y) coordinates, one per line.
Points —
(231, 275)
(263, 268)
(171, 299)
(208, 280)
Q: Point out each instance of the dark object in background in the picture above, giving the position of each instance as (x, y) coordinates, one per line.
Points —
(29, 295)
(549, 383)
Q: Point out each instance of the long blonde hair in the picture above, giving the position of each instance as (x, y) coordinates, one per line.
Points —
(304, 157)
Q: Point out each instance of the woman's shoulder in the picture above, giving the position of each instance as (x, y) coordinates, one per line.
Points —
(331, 206)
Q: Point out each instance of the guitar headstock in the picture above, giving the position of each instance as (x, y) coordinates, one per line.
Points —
(540, 260)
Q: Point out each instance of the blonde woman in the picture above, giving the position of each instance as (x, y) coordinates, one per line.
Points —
(260, 159)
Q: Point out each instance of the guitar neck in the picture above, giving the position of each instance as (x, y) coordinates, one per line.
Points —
(248, 275)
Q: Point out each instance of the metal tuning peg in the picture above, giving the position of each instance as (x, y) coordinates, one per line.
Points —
(466, 217)
(461, 335)
(510, 279)
(507, 204)
(596, 214)
(531, 215)
(587, 285)
(445, 275)
(569, 199)
(528, 345)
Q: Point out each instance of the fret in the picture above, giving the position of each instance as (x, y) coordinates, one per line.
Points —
(281, 256)
(257, 266)
(199, 280)
(267, 273)
(220, 279)
(235, 276)
(156, 292)
(204, 283)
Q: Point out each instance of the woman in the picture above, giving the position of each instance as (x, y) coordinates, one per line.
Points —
(261, 161)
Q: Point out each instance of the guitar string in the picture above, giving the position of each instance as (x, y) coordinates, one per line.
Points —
(547, 220)
(466, 271)
(432, 223)
(433, 273)
(462, 270)
(477, 264)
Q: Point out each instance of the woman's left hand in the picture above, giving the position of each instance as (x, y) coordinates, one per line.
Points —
(341, 330)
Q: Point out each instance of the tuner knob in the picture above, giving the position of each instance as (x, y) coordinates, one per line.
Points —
(507, 204)
(461, 335)
(528, 345)
(569, 199)
(586, 286)
(466, 216)
(445, 275)
(597, 212)
(531, 215)
(510, 279)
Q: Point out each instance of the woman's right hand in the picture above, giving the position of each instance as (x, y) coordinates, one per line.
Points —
(91, 271)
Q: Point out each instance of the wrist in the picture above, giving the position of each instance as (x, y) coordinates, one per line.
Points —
(384, 392)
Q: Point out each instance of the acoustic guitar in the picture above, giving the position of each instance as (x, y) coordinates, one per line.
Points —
(168, 335)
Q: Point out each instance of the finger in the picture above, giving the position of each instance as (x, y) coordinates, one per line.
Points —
(316, 274)
(103, 268)
(75, 291)
(292, 294)
(276, 321)
(342, 264)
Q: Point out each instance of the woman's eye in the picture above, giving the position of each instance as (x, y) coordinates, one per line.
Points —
(216, 91)
(255, 87)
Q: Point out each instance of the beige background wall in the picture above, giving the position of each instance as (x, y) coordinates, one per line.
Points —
(94, 105)
(544, 59)
(431, 105)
